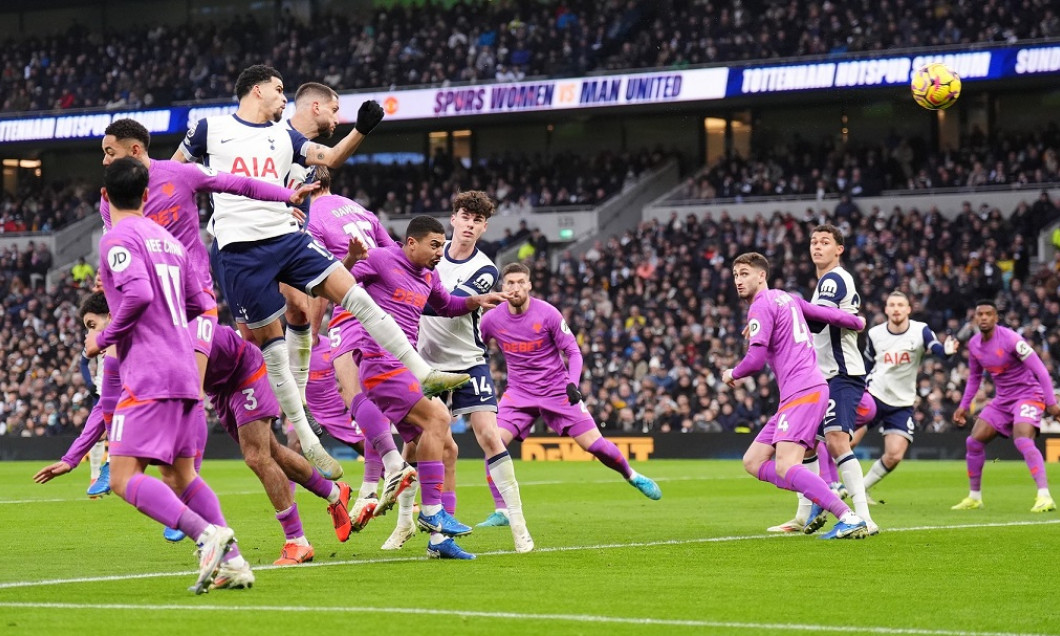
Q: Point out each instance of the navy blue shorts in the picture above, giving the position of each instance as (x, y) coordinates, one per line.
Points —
(893, 420)
(477, 395)
(249, 273)
(844, 393)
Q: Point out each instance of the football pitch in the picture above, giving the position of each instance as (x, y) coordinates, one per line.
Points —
(608, 560)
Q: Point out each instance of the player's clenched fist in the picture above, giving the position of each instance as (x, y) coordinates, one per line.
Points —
(368, 116)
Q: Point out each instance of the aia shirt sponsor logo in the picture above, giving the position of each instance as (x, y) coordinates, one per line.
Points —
(253, 167)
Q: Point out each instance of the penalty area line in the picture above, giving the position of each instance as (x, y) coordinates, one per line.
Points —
(574, 618)
(573, 548)
(243, 493)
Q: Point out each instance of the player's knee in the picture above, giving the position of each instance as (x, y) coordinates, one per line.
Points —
(118, 484)
(891, 459)
(451, 450)
(838, 444)
(256, 458)
(752, 465)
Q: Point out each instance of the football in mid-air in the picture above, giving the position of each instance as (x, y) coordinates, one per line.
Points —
(935, 86)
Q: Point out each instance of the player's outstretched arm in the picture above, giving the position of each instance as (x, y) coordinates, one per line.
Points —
(51, 471)
(485, 301)
(830, 315)
(752, 363)
(90, 434)
(206, 179)
(368, 117)
(975, 379)
(135, 298)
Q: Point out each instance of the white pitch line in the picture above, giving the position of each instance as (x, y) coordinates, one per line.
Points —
(573, 548)
(575, 618)
(243, 493)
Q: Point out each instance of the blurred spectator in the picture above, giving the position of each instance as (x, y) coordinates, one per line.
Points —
(441, 43)
(42, 390)
(670, 329)
(82, 272)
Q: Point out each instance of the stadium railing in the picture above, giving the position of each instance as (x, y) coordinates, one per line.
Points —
(947, 200)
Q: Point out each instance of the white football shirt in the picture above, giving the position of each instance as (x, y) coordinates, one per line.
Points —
(837, 349)
(896, 359)
(263, 151)
(454, 344)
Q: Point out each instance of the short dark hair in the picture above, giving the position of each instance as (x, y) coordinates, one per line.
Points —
(421, 226)
(125, 181)
(753, 259)
(515, 268)
(315, 90)
(323, 177)
(828, 228)
(252, 76)
(94, 303)
(989, 302)
(475, 202)
(129, 129)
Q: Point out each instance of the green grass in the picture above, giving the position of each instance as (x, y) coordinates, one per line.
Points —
(697, 561)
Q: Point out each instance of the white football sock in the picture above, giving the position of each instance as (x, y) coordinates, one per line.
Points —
(502, 472)
(406, 501)
(392, 462)
(384, 330)
(299, 342)
(368, 488)
(850, 473)
(875, 474)
(286, 391)
(95, 458)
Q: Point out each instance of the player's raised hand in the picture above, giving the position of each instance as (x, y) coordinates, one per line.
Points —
(490, 300)
(368, 116)
(960, 417)
(950, 346)
(91, 348)
(726, 377)
(300, 193)
(573, 394)
(356, 251)
(50, 472)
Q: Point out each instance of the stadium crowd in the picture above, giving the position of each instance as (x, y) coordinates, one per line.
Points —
(658, 318)
(522, 182)
(656, 313)
(441, 43)
(41, 387)
(518, 182)
(798, 167)
(39, 206)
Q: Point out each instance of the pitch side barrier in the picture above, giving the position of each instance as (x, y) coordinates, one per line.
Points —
(551, 448)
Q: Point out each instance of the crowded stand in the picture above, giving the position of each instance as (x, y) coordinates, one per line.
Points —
(655, 310)
(38, 206)
(518, 182)
(42, 388)
(658, 318)
(800, 167)
(480, 41)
